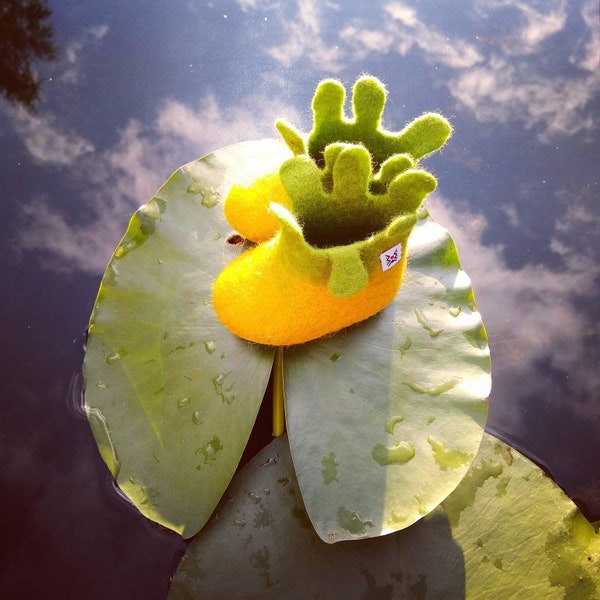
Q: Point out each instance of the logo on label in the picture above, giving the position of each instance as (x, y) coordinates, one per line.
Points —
(390, 257)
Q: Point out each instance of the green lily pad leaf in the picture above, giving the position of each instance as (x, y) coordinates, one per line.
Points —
(385, 418)
(506, 528)
(170, 393)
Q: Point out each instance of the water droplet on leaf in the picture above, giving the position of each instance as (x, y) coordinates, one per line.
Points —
(329, 471)
(224, 392)
(210, 346)
(448, 459)
(114, 357)
(209, 451)
(399, 454)
(391, 423)
(351, 521)
(183, 402)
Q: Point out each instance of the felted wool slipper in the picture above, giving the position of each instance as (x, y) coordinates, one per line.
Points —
(331, 226)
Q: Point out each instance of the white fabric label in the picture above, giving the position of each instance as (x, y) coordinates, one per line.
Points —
(390, 257)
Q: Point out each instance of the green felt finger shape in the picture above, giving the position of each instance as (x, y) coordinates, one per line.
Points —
(395, 406)
(389, 169)
(368, 100)
(348, 273)
(351, 172)
(420, 137)
(336, 205)
(507, 531)
(407, 190)
(170, 393)
(292, 138)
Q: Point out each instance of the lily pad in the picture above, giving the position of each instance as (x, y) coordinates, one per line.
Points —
(385, 418)
(507, 530)
(170, 394)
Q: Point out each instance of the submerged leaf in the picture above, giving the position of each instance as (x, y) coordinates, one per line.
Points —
(171, 394)
(507, 529)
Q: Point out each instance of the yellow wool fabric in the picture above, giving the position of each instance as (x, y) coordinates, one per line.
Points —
(259, 298)
(331, 225)
(246, 207)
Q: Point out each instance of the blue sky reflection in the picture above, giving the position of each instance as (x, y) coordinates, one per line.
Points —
(138, 90)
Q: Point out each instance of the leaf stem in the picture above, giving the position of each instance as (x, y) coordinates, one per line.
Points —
(278, 394)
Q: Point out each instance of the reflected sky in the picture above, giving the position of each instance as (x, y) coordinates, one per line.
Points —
(140, 88)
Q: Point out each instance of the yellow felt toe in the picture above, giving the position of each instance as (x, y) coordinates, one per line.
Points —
(259, 298)
(246, 207)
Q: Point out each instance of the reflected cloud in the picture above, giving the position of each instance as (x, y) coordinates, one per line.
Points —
(304, 37)
(215, 126)
(403, 31)
(532, 313)
(46, 141)
(71, 60)
(247, 5)
(126, 175)
(503, 91)
(510, 86)
(498, 79)
(587, 55)
(535, 22)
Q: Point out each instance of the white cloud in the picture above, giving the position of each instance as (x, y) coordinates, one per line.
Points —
(587, 56)
(441, 49)
(503, 90)
(403, 13)
(71, 57)
(246, 5)
(117, 182)
(46, 141)
(127, 174)
(304, 40)
(534, 21)
(530, 313)
(500, 81)
(215, 126)
(362, 42)
(541, 25)
(402, 31)
(511, 87)
(512, 215)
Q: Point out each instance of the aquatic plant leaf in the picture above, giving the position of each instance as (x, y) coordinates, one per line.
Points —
(507, 528)
(170, 393)
(385, 417)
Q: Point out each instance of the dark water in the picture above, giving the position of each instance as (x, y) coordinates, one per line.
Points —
(133, 90)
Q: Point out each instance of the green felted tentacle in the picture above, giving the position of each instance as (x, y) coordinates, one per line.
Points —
(389, 169)
(345, 269)
(351, 173)
(348, 273)
(292, 137)
(331, 154)
(293, 250)
(302, 180)
(328, 104)
(407, 191)
(422, 136)
(335, 205)
(368, 102)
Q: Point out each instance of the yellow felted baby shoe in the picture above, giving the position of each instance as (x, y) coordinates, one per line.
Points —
(247, 207)
(332, 224)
